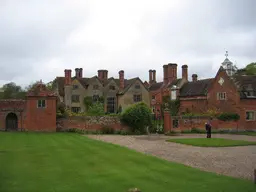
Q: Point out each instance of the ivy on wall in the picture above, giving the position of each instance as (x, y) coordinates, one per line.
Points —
(172, 105)
(88, 101)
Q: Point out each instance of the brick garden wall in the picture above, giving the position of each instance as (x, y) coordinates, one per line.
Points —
(91, 123)
(199, 123)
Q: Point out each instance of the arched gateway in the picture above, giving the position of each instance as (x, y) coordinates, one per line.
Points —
(11, 122)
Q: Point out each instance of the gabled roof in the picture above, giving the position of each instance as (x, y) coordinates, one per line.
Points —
(196, 88)
(129, 82)
(60, 81)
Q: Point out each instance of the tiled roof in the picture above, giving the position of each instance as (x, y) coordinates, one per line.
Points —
(174, 82)
(128, 83)
(10, 104)
(60, 82)
(245, 83)
(195, 88)
(155, 86)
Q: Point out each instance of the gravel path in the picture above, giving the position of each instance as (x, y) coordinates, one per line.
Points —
(232, 161)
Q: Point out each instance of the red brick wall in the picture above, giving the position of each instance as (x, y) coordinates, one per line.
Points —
(233, 103)
(233, 97)
(20, 116)
(92, 123)
(41, 119)
(193, 105)
(199, 123)
(247, 105)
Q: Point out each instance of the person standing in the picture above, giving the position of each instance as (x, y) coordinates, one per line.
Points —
(208, 128)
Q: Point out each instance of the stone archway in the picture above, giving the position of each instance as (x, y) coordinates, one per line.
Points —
(11, 122)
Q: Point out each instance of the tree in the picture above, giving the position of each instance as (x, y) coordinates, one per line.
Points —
(49, 85)
(12, 91)
(250, 69)
(138, 117)
(96, 108)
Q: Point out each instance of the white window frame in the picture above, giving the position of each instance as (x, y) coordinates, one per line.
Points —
(173, 95)
(220, 96)
(254, 115)
(40, 103)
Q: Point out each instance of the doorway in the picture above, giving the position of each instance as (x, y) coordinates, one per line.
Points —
(11, 122)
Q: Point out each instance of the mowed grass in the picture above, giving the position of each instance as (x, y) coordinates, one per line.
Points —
(212, 142)
(245, 133)
(63, 162)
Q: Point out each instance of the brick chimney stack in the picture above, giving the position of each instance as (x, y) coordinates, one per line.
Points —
(105, 74)
(165, 71)
(150, 76)
(184, 72)
(67, 76)
(194, 77)
(80, 74)
(102, 74)
(77, 72)
(172, 72)
(154, 76)
(121, 79)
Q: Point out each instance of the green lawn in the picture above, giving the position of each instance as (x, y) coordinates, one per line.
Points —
(213, 142)
(245, 133)
(63, 162)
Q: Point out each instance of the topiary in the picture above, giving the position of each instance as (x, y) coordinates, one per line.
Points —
(138, 117)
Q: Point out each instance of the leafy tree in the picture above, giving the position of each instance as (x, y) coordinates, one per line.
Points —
(49, 85)
(138, 117)
(250, 69)
(12, 91)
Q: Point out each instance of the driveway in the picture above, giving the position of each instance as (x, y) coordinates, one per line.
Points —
(231, 161)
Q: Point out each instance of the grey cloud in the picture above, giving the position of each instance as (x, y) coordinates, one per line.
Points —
(33, 34)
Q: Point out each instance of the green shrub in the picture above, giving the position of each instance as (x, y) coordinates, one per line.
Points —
(138, 117)
(96, 109)
(228, 117)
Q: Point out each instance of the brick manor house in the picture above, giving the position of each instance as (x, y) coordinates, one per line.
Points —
(226, 92)
(118, 93)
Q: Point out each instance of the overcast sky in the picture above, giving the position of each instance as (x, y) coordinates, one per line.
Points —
(39, 39)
